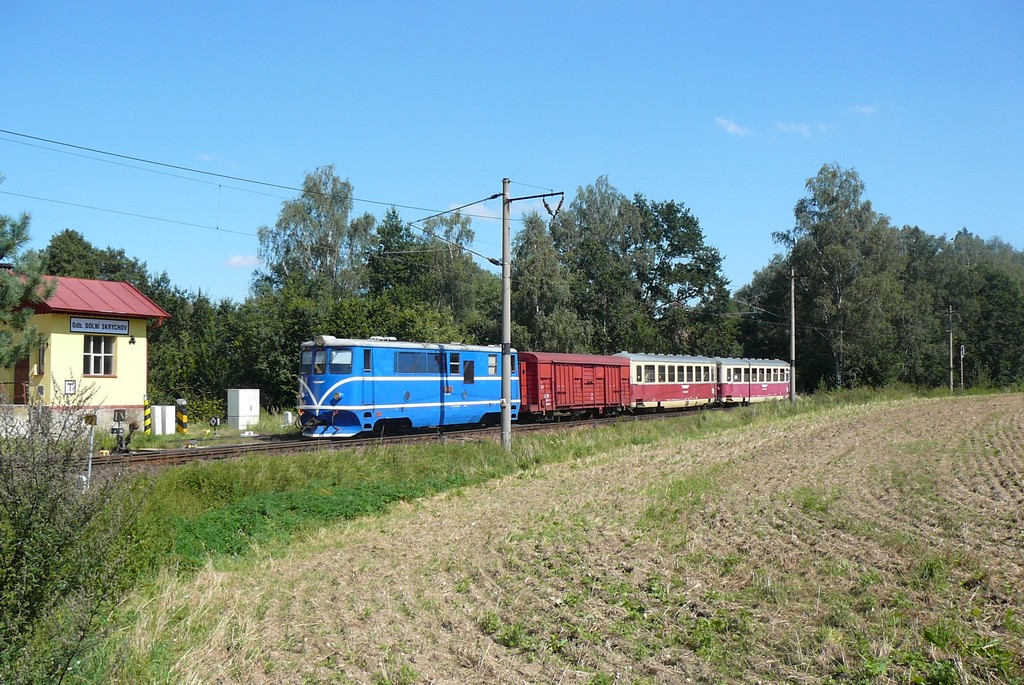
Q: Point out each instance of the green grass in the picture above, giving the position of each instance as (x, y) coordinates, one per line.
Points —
(225, 510)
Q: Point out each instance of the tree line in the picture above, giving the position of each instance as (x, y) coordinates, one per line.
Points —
(608, 273)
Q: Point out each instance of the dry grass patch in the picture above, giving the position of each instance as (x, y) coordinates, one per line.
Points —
(880, 543)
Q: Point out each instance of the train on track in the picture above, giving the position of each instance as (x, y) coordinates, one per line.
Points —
(382, 385)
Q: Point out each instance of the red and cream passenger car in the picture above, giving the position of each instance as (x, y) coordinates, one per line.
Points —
(662, 381)
(744, 381)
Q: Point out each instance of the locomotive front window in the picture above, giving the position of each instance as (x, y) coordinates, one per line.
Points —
(340, 362)
(320, 361)
(306, 363)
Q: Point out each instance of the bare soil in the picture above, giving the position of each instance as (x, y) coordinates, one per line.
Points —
(878, 543)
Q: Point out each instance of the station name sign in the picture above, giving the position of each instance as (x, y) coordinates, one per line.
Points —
(99, 326)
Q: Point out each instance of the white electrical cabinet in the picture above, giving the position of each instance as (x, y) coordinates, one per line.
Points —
(243, 407)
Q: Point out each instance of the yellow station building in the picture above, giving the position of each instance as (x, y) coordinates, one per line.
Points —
(93, 335)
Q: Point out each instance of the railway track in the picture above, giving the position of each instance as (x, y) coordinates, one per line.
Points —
(295, 445)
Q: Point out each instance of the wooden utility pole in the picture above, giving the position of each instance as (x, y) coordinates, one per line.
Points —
(792, 335)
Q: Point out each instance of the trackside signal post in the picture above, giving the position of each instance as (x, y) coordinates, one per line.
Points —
(506, 306)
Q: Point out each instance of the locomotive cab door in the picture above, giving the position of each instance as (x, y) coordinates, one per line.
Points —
(367, 375)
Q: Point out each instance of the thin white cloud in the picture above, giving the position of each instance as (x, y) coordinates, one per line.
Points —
(243, 261)
(215, 159)
(800, 129)
(864, 110)
(732, 128)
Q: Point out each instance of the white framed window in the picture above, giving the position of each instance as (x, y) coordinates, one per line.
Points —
(99, 355)
(492, 365)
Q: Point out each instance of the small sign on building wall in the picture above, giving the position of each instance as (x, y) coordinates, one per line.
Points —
(70, 387)
(99, 326)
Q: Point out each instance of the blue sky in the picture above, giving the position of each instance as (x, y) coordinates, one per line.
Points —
(726, 107)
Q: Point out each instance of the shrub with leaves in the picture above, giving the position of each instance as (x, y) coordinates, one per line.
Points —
(62, 540)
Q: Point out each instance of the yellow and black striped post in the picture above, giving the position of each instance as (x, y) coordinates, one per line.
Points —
(147, 416)
(181, 416)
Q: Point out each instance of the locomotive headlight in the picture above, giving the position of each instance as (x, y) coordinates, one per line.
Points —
(337, 396)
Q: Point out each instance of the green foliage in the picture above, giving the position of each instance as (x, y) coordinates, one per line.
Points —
(314, 246)
(640, 274)
(872, 301)
(63, 546)
(542, 301)
(21, 287)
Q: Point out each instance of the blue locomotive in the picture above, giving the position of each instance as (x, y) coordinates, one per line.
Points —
(383, 385)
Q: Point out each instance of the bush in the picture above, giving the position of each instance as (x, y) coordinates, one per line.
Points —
(61, 541)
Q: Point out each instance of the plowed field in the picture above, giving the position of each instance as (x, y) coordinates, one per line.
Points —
(875, 543)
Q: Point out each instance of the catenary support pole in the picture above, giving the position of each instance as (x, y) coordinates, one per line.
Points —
(506, 316)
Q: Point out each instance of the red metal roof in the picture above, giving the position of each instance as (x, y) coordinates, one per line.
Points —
(86, 296)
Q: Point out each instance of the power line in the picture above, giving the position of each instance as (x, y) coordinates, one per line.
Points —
(178, 167)
(131, 214)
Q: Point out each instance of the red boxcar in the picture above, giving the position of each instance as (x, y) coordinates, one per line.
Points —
(557, 385)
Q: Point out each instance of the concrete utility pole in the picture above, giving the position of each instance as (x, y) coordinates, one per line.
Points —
(951, 348)
(506, 305)
(792, 335)
(963, 351)
(506, 317)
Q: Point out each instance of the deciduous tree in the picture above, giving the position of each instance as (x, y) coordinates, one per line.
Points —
(314, 242)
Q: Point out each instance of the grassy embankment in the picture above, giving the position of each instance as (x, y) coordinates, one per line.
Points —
(870, 543)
